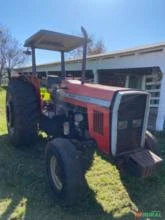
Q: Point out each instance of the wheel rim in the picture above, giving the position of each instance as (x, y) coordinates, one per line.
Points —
(10, 117)
(55, 173)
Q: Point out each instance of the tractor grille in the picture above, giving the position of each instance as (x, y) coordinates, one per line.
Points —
(98, 122)
(130, 122)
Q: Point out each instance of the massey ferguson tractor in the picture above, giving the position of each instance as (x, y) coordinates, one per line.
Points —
(74, 114)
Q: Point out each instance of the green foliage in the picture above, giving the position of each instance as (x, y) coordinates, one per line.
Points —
(25, 194)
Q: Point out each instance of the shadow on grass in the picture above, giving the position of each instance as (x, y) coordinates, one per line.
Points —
(148, 194)
(25, 190)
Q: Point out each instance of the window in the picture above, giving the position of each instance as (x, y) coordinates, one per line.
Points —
(153, 87)
(155, 94)
(154, 102)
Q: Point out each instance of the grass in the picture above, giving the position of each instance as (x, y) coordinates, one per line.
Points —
(25, 193)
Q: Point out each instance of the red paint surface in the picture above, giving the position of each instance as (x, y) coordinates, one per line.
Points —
(94, 91)
(103, 141)
(91, 90)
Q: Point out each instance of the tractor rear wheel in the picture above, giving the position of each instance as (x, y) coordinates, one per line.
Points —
(64, 171)
(151, 143)
(22, 112)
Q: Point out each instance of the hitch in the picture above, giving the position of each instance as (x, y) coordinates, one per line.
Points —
(142, 163)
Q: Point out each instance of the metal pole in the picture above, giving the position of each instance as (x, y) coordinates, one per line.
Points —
(34, 72)
(84, 55)
(63, 73)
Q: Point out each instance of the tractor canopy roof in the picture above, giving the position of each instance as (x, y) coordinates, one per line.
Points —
(50, 40)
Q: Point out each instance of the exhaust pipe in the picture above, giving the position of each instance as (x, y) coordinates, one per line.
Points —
(84, 32)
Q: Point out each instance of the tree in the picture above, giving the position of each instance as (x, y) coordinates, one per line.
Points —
(11, 53)
(94, 47)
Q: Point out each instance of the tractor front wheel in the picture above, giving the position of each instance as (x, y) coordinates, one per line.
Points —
(64, 171)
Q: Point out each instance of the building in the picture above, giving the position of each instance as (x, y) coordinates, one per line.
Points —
(4, 80)
(139, 68)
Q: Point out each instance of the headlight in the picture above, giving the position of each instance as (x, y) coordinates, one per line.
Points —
(136, 123)
(122, 124)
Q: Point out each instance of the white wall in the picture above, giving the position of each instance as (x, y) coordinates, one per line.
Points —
(139, 60)
(161, 111)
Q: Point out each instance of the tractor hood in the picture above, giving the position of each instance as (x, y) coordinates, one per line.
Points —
(90, 93)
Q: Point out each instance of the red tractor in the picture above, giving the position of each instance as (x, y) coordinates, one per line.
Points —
(78, 114)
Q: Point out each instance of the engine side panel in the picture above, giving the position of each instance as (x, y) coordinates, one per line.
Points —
(98, 122)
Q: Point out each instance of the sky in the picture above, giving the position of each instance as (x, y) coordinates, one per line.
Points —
(120, 24)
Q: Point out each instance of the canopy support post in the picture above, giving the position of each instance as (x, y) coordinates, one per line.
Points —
(34, 72)
(63, 72)
(84, 55)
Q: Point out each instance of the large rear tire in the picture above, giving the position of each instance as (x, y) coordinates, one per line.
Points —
(64, 171)
(22, 112)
